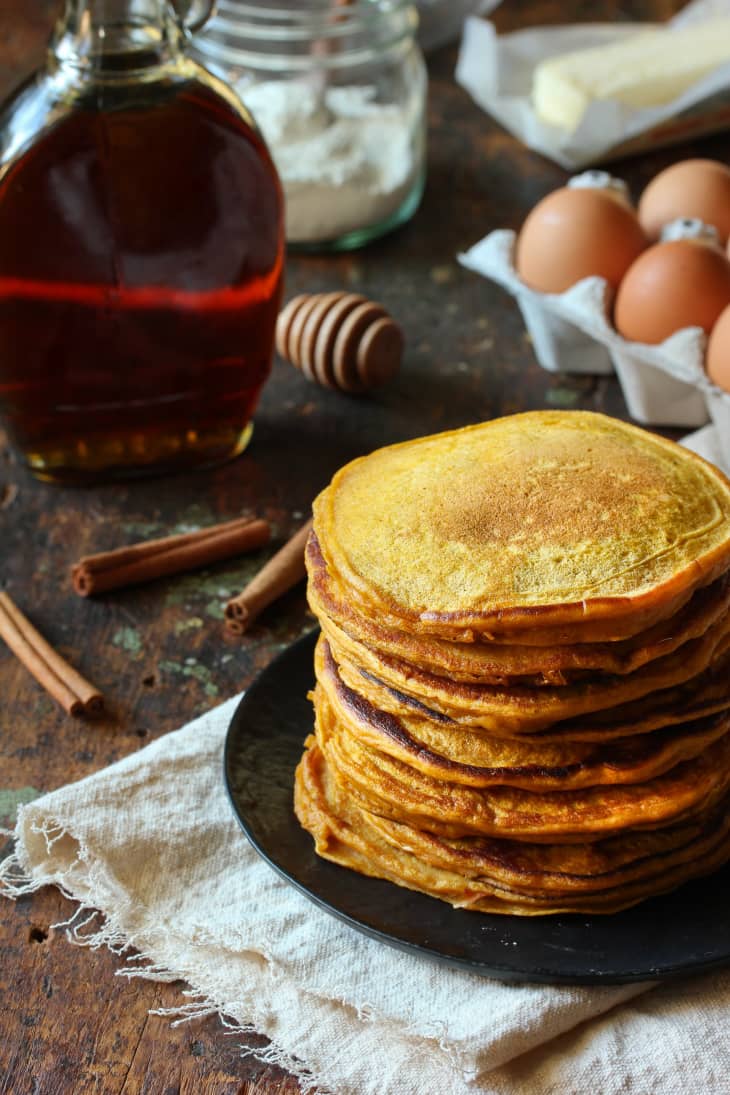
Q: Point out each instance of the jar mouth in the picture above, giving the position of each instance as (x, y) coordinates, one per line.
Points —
(243, 33)
(281, 18)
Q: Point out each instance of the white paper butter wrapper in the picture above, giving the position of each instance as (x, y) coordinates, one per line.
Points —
(719, 404)
(706, 442)
(497, 71)
(663, 385)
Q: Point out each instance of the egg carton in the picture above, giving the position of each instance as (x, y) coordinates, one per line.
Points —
(664, 385)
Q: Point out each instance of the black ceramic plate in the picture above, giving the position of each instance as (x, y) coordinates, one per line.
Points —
(683, 932)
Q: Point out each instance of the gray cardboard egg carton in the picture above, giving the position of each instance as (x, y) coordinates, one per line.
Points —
(663, 385)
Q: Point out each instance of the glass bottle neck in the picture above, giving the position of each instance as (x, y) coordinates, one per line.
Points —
(117, 35)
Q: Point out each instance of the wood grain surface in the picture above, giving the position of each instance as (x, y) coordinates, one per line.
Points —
(159, 653)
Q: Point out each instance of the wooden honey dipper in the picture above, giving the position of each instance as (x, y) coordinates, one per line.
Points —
(340, 340)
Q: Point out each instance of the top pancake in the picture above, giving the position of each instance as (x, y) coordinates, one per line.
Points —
(560, 526)
(514, 663)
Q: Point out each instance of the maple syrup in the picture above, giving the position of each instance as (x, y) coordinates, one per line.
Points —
(141, 253)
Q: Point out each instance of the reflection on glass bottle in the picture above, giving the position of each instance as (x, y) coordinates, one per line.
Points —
(141, 252)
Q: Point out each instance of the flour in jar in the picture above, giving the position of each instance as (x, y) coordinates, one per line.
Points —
(346, 161)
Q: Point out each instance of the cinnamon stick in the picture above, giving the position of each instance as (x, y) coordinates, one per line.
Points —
(169, 555)
(75, 694)
(282, 572)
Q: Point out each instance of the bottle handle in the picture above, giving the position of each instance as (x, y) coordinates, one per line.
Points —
(194, 14)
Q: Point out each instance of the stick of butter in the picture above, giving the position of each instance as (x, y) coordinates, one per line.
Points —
(647, 69)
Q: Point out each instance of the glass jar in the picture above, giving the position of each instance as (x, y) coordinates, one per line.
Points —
(339, 92)
(141, 253)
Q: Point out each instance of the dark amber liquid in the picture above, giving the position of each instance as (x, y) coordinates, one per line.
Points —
(140, 277)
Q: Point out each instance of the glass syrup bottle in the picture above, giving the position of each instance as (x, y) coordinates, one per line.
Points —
(141, 253)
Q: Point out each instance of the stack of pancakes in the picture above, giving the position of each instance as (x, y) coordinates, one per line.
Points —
(523, 678)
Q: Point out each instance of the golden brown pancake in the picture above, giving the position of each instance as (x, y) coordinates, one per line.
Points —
(484, 878)
(534, 869)
(562, 526)
(384, 785)
(706, 694)
(510, 663)
(520, 709)
(457, 754)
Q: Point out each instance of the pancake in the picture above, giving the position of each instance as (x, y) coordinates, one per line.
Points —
(458, 754)
(510, 664)
(538, 528)
(385, 785)
(706, 694)
(513, 711)
(523, 882)
(534, 869)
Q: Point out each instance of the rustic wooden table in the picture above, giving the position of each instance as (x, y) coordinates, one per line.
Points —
(159, 652)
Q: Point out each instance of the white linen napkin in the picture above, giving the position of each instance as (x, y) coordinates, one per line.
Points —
(151, 844)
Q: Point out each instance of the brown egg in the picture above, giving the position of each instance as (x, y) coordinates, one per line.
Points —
(676, 284)
(574, 233)
(690, 188)
(717, 363)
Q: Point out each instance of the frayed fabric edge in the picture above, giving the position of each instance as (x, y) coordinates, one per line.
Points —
(14, 879)
(15, 882)
(271, 1054)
